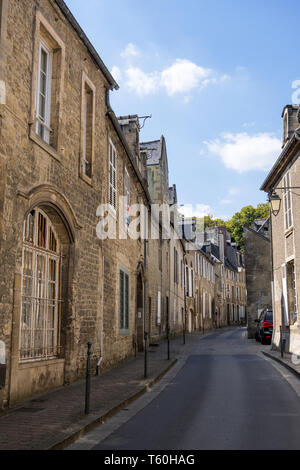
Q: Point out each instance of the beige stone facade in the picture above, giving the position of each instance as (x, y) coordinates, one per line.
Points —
(45, 178)
(63, 155)
(286, 235)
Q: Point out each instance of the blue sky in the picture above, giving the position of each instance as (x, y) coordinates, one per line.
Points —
(214, 75)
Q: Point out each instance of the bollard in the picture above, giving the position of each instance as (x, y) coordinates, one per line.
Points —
(281, 342)
(88, 380)
(146, 356)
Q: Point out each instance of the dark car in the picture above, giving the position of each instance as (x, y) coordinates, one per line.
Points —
(264, 329)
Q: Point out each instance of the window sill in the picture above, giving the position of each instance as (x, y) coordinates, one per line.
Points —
(124, 332)
(86, 178)
(40, 363)
(41, 143)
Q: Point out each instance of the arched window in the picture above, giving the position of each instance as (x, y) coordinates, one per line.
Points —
(41, 289)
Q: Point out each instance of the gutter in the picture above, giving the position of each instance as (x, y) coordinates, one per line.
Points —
(280, 162)
(97, 59)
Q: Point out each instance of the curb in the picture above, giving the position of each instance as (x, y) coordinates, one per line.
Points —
(96, 421)
(283, 363)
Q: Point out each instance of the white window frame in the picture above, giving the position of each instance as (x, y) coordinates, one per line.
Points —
(112, 175)
(40, 120)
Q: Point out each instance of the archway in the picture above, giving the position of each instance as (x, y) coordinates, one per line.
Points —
(45, 253)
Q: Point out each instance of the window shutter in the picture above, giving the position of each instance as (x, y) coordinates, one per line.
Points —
(126, 322)
(158, 308)
(121, 300)
(285, 294)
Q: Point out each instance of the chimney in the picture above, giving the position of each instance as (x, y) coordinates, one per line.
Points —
(131, 130)
(290, 122)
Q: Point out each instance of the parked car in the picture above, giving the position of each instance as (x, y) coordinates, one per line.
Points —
(264, 329)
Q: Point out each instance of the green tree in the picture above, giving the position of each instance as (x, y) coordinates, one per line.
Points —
(246, 216)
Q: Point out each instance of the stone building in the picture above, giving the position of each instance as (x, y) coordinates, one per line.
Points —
(231, 291)
(62, 154)
(70, 172)
(284, 180)
(258, 271)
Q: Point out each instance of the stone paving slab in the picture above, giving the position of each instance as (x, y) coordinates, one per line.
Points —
(57, 418)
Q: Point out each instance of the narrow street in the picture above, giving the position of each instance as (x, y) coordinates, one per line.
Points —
(223, 395)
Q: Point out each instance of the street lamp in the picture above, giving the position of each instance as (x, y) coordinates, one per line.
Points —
(275, 203)
(275, 200)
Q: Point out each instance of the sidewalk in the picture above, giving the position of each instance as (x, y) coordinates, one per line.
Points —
(56, 419)
(288, 361)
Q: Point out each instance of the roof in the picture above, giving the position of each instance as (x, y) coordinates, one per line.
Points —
(281, 163)
(97, 59)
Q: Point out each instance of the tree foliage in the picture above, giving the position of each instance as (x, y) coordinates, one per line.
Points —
(246, 216)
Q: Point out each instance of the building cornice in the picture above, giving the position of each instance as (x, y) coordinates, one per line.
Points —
(81, 34)
(282, 162)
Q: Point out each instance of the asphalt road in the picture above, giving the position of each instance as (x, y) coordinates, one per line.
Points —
(224, 396)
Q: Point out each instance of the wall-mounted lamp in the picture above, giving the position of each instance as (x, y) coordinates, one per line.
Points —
(275, 203)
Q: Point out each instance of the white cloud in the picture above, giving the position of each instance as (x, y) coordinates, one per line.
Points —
(249, 124)
(233, 191)
(130, 51)
(116, 73)
(141, 82)
(225, 201)
(243, 152)
(182, 76)
(195, 210)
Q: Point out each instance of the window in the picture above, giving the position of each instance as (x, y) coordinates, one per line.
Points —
(175, 266)
(287, 198)
(124, 301)
(112, 176)
(41, 281)
(43, 100)
(47, 86)
(204, 305)
(210, 306)
(87, 127)
(126, 196)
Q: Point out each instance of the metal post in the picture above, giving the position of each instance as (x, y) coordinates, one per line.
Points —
(146, 356)
(281, 342)
(88, 380)
(168, 336)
